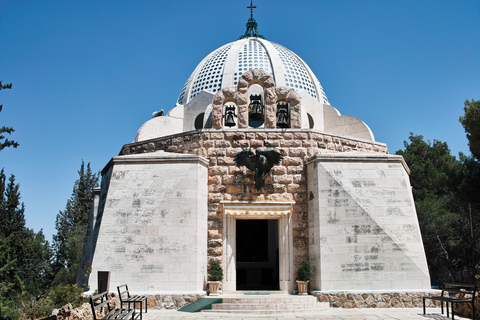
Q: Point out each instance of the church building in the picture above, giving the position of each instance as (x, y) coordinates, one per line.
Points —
(255, 168)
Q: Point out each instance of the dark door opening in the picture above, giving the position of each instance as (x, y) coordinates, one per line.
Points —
(257, 254)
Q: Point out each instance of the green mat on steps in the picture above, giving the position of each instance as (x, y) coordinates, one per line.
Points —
(201, 304)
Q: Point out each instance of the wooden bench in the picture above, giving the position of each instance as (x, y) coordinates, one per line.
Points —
(453, 291)
(112, 314)
(131, 299)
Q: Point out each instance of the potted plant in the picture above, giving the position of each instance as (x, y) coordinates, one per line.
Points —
(304, 273)
(215, 276)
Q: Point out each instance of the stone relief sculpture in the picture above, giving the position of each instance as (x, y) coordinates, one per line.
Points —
(260, 163)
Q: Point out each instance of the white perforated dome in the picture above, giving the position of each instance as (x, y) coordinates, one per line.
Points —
(223, 67)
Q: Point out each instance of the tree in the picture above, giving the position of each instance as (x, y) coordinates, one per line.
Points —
(12, 239)
(24, 254)
(71, 225)
(4, 143)
(471, 123)
(438, 180)
(12, 218)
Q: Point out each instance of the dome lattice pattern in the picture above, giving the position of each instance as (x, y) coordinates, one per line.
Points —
(223, 67)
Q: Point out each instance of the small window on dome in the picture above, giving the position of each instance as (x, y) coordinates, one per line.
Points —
(310, 121)
(199, 121)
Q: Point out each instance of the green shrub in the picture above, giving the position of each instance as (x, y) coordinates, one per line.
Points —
(215, 271)
(304, 273)
(33, 307)
(69, 293)
(7, 312)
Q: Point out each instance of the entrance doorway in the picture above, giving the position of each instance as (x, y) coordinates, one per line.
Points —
(257, 254)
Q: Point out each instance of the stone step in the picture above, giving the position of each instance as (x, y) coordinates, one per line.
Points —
(264, 311)
(270, 299)
(268, 304)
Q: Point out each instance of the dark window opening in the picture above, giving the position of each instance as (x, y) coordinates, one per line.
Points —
(199, 121)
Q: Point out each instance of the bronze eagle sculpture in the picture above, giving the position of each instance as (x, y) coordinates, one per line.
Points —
(260, 163)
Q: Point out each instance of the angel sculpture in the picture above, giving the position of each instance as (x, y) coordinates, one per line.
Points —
(259, 163)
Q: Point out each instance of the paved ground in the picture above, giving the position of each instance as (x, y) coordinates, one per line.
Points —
(327, 314)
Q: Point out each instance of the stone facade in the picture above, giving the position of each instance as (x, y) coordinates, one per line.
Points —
(227, 182)
(364, 232)
(150, 227)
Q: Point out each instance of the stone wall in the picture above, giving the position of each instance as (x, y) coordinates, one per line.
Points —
(151, 228)
(465, 309)
(171, 301)
(364, 231)
(204, 142)
(227, 182)
(376, 299)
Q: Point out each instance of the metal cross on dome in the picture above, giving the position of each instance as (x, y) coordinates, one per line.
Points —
(251, 25)
(251, 7)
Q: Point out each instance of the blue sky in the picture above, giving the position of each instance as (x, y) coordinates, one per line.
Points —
(87, 74)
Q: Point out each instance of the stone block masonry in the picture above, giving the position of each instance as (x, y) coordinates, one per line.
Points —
(363, 228)
(151, 228)
(352, 214)
(172, 301)
(359, 299)
(286, 182)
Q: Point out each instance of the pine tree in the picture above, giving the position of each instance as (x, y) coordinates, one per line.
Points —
(24, 254)
(4, 143)
(12, 218)
(471, 188)
(71, 225)
(471, 124)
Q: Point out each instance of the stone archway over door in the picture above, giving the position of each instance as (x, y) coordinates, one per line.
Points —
(281, 211)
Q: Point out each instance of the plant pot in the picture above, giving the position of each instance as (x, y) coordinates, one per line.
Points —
(302, 287)
(213, 286)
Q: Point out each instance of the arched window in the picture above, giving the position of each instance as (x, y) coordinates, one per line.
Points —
(229, 115)
(283, 115)
(310, 121)
(199, 121)
(256, 107)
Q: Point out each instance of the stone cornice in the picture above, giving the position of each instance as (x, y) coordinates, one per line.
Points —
(359, 157)
(257, 208)
(158, 157)
(165, 143)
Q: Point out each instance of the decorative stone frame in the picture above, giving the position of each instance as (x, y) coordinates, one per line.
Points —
(240, 97)
(278, 210)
